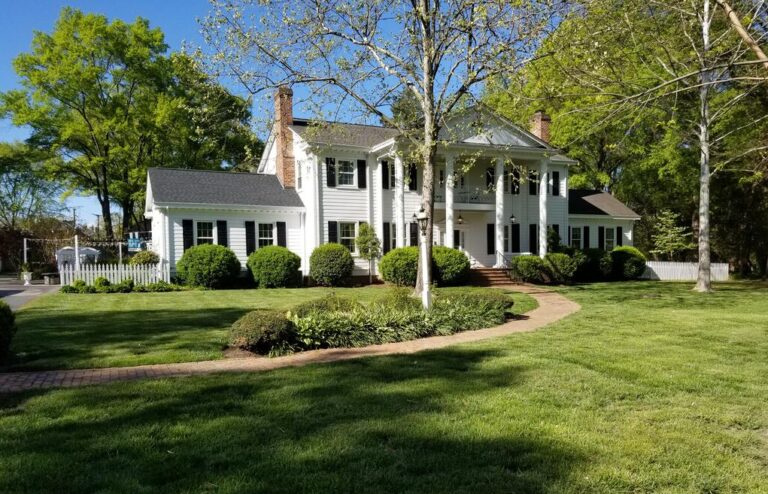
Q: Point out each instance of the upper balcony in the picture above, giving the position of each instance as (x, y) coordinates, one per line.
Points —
(479, 199)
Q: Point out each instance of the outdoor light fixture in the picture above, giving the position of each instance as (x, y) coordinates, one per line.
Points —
(460, 220)
(512, 218)
(422, 219)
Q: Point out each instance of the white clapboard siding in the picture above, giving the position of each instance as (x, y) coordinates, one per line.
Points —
(682, 271)
(115, 273)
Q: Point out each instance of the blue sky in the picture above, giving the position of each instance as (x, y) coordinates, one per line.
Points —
(19, 19)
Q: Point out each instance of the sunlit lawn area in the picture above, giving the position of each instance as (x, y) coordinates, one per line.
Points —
(103, 330)
(650, 388)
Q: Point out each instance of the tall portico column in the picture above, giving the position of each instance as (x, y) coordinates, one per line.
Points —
(449, 160)
(543, 192)
(499, 175)
(399, 203)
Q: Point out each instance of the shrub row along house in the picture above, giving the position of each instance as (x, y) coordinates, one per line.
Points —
(498, 190)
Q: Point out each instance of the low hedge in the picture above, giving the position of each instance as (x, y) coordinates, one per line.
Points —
(627, 263)
(208, 266)
(275, 267)
(449, 266)
(528, 268)
(144, 257)
(560, 268)
(595, 265)
(7, 331)
(331, 265)
(264, 332)
(102, 285)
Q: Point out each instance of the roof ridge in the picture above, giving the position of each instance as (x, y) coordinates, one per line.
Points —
(230, 172)
(343, 123)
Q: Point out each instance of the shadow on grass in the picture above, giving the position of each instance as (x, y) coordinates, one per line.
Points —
(48, 339)
(391, 424)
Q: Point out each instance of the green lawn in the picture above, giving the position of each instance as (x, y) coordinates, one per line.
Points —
(105, 330)
(650, 388)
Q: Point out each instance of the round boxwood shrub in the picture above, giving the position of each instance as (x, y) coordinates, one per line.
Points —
(529, 268)
(209, 266)
(144, 257)
(450, 266)
(331, 264)
(560, 267)
(627, 263)
(7, 330)
(274, 267)
(264, 332)
(399, 266)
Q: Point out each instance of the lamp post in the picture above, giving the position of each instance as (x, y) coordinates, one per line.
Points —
(422, 219)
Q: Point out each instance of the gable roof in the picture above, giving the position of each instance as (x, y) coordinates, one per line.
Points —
(170, 185)
(342, 134)
(598, 203)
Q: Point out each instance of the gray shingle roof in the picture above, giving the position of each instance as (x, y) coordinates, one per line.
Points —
(217, 187)
(597, 203)
(342, 134)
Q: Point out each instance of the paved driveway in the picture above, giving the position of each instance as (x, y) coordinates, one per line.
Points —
(18, 295)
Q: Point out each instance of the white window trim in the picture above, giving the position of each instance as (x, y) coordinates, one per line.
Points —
(259, 237)
(213, 238)
(578, 229)
(613, 240)
(352, 162)
(299, 175)
(354, 231)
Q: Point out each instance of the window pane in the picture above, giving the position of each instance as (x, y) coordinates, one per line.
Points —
(346, 173)
(610, 238)
(576, 237)
(265, 234)
(204, 232)
(347, 235)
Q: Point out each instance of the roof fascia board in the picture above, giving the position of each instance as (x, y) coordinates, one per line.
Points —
(229, 207)
(603, 216)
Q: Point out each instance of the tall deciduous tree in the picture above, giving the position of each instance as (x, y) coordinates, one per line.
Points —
(25, 193)
(360, 53)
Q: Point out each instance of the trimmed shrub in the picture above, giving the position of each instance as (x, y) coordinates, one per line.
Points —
(264, 332)
(331, 265)
(274, 267)
(144, 257)
(450, 266)
(7, 330)
(101, 284)
(399, 266)
(68, 289)
(529, 268)
(160, 286)
(329, 303)
(209, 266)
(596, 265)
(561, 267)
(627, 263)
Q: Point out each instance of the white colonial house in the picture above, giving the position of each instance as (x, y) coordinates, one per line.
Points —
(498, 188)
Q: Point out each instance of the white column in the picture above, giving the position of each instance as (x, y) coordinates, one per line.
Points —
(399, 203)
(499, 176)
(449, 160)
(543, 193)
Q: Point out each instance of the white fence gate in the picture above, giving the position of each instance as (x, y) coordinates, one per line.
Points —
(115, 273)
(682, 271)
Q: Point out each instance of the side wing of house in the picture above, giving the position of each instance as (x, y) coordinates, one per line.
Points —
(599, 221)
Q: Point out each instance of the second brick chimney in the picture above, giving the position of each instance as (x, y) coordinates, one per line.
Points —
(540, 125)
(284, 163)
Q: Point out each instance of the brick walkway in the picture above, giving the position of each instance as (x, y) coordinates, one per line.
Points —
(552, 307)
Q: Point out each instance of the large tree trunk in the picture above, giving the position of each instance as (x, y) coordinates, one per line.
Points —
(704, 280)
(128, 207)
(106, 215)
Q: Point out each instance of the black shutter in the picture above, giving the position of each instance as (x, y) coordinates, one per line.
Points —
(330, 172)
(570, 238)
(250, 237)
(221, 233)
(385, 175)
(556, 228)
(619, 236)
(601, 237)
(533, 185)
(515, 181)
(489, 177)
(412, 174)
(333, 232)
(555, 183)
(188, 233)
(516, 237)
(281, 236)
(533, 238)
(414, 227)
(387, 240)
(490, 239)
(362, 174)
(456, 239)
(585, 234)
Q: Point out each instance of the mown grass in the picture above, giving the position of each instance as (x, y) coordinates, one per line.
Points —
(650, 388)
(108, 330)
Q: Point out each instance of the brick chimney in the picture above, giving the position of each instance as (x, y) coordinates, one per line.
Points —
(540, 125)
(284, 164)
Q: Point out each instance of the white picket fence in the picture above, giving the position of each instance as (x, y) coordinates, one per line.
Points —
(682, 271)
(115, 273)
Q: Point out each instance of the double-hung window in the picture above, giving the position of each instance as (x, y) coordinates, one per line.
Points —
(610, 239)
(347, 235)
(392, 182)
(346, 170)
(204, 232)
(266, 234)
(576, 237)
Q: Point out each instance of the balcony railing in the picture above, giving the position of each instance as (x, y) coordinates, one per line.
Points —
(480, 196)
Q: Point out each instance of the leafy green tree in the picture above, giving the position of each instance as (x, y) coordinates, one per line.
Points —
(25, 193)
(368, 246)
(670, 238)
